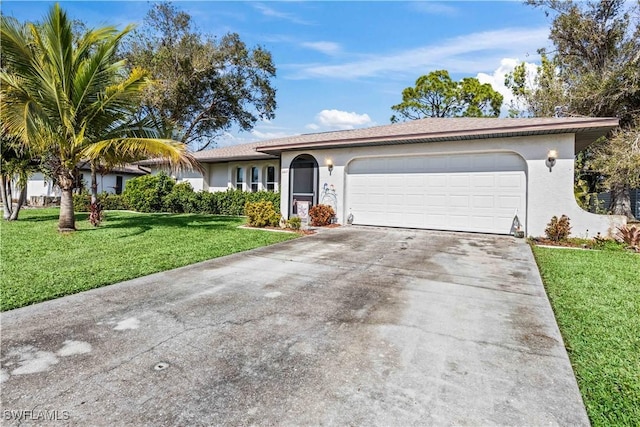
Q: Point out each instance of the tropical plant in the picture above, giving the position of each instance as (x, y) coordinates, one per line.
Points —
(294, 223)
(630, 235)
(74, 100)
(16, 165)
(262, 214)
(321, 215)
(558, 228)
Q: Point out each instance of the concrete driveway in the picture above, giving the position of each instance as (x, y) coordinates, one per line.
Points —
(352, 326)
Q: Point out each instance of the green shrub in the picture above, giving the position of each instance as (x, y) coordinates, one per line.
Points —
(294, 223)
(206, 202)
(321, 215)
(109, 201)
(146, 193)
(112, 202)
(181, 199)
(81, 202)
(558, 229)
(262, 214)
(231, 202)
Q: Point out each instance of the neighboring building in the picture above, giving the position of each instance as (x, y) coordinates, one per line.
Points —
(40, 189)
(634, 196)
(458, 174)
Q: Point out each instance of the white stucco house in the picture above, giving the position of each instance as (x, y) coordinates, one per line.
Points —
(40, 187)
(458, 174)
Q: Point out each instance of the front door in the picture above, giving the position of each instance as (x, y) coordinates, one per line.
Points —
(304, 182)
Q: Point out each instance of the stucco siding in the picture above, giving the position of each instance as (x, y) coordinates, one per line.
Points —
(549, 191)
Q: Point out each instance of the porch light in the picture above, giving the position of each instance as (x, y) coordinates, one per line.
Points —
(552, 155)
(329, 165)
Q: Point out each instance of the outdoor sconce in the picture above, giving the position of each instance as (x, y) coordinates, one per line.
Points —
(552, 155)
(330, 166)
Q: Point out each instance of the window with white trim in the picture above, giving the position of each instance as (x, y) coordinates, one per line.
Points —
(239, 179)
(255, 176)
(270, 178)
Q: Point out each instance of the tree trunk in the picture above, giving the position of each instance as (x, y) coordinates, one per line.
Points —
(67, 219)
(22, 195)
(7, 204)
(621, 201)
(94, 184)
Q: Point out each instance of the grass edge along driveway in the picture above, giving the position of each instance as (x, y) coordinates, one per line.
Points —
(39, 263)
(595, 296)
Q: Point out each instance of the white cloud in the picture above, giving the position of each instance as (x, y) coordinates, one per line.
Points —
(336, 119)
(328, 48)
(464, 54)
(496, 79)
(272, 13)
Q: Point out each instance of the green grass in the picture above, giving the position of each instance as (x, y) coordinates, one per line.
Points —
(38, 263)
(596, 299)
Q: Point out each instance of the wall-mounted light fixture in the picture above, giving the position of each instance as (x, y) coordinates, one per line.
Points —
(330, 166)
(552, 155)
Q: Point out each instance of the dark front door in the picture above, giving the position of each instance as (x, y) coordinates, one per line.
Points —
(304, 182)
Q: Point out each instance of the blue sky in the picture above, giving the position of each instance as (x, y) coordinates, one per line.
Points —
(344, 64)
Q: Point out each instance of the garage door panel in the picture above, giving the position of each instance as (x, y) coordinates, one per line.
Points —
(459, 181)
(459, 201)
(479, 192)
(482, 202)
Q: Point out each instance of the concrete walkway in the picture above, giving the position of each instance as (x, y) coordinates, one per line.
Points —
(352, 326)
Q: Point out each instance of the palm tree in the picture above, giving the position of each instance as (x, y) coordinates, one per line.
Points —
(72, 99)
(16, 166)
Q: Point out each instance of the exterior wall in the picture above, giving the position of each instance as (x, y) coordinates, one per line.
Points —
(39, 186)
(222, 176)
(549, 191)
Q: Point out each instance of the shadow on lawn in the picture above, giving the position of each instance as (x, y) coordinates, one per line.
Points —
(146, 222)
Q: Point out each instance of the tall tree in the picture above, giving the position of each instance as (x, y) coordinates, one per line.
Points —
(437, 95)
(202, 85)
(594, 70)
(61, 97)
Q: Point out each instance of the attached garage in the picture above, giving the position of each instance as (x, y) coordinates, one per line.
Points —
(477, 192)
(454, 174)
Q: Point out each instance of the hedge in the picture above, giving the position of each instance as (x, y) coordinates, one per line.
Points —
(160, 193)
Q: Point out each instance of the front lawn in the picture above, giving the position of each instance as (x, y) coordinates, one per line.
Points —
(596, 299)
(39, 264)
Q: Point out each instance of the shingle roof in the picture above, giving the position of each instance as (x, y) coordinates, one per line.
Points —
(447, 129)
(587, 130)
(233, 152)
(128, 169)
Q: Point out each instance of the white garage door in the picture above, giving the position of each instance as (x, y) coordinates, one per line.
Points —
(470, 192)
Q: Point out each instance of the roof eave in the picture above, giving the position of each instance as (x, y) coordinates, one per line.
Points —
(598, 125)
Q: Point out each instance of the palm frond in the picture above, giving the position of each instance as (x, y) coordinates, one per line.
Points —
(126, 150)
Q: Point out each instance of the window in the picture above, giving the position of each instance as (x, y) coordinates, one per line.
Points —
(270, 183)
(254, 179)
(239, 178)
(118, 187)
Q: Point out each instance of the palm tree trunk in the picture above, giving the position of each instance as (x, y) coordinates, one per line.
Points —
(94, 184)
(7, 204)
(67, 218)
(22, 195)
(621, 201)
